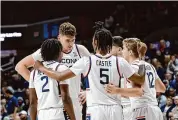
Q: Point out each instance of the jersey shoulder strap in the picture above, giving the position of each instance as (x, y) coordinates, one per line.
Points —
(77, 50)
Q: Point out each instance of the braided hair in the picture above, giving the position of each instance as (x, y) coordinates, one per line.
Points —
(103, 37)
(51, 49)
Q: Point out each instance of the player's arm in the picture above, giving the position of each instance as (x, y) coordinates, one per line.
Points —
(68, 106)
(76, 69)
(127, 92)
(33, 103)
(22, 67)
(127, 70)
(33, 98)
(160, 87)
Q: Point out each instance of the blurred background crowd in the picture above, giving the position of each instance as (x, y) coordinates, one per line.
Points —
(156, 23)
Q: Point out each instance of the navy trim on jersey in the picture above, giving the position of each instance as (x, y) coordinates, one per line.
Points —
(118, 71)
(89, 67)
(34, 75)
(57, 81)
(103, 57)
(51, 63)
(77, 50)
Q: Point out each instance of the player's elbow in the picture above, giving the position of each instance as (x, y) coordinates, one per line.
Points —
(139, 92)
(66, 98)
(33, 102)
(17, 67)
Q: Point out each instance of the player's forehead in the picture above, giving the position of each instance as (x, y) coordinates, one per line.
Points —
(68, 37)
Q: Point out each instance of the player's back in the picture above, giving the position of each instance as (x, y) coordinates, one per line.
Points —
(149, 95)
(47, 89)
(103, 69)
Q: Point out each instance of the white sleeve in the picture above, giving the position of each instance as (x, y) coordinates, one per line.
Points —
(60, 69)
(125, 68)
(156, 74)
(83, 51)
(37, 55)
(31, 81)
(81, 66)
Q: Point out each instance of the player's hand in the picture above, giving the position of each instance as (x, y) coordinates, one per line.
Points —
(38, 65)
(82, 97)
(111, 88)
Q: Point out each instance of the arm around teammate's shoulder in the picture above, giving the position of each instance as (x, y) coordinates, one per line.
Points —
(129, 72)
(22, 67)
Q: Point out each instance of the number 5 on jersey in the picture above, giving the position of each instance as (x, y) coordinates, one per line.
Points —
(104, 77)
(46, 82)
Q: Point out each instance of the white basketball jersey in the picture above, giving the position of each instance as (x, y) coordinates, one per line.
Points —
(124, 84)
(69, 59)
(47, 89)
(102, 71)
(149, 96)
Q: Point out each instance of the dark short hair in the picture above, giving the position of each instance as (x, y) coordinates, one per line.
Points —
(51, 49)
(117, 41)
(103, 37)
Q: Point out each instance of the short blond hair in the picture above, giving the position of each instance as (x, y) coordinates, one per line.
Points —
(67, 28)
(136, 46)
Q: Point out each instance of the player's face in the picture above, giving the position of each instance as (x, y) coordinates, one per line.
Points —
(67, 42)
(116, 51)
(125, 52)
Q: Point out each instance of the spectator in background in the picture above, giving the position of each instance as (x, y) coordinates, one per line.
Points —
(167, 108)
(161, 99)
(172, 65)
(26, 106)
(166, 83)
(12, 103)
(21, 104)
(160, 70)
(23, 115)
(171, 92)
(3, 108)
(174, 83)
(174, 113)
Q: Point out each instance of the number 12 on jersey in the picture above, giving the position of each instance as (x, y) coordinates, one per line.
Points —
(151, 79)
(104, 77)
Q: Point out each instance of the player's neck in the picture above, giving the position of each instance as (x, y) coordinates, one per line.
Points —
(101, 52)
(131, 59)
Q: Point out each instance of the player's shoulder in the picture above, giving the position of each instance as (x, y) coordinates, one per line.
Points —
(80, 47)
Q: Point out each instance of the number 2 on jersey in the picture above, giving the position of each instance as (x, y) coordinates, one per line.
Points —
(151, 79)
(104, 75)
(46, 82)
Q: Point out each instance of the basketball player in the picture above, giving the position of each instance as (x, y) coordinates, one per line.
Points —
(144, 107)
(125, 101)
(45, 91)
(101, 69)
(71, 53)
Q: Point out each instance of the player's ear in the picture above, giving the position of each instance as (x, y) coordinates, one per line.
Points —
(58, 37)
